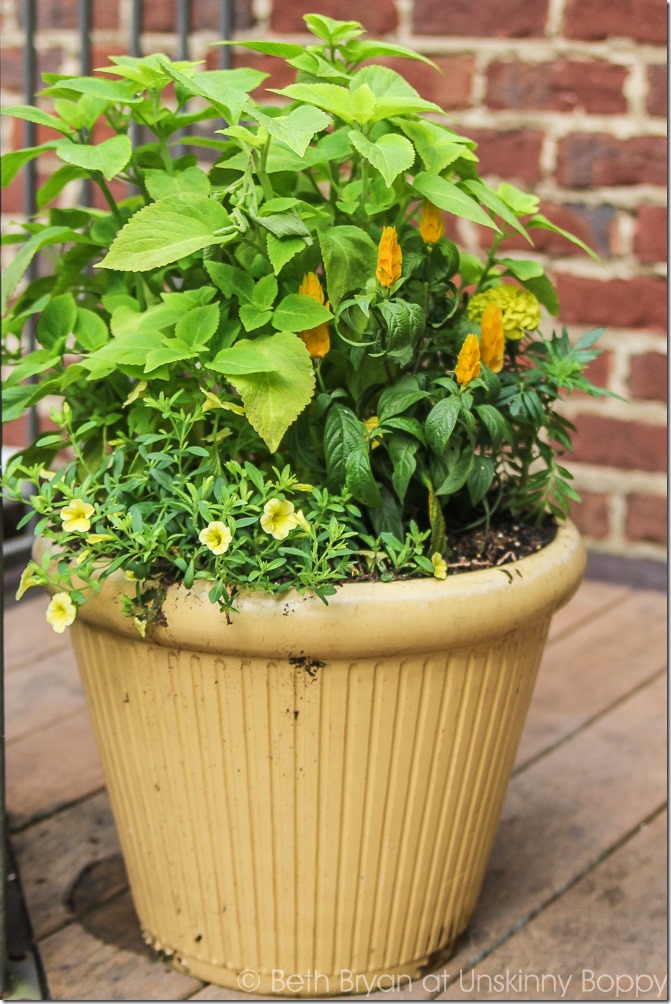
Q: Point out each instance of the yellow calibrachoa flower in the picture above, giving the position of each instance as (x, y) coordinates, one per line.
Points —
(278, 518)
(96, 538)
(61, 612)
(521, 310)
(216, 537)
(76, 516)
(27, 581)
(301, 521)
(371, 424)
(491, 338)
(468, 361)
(439, 566)
(389, 258)
(317, 340)
(431, 224)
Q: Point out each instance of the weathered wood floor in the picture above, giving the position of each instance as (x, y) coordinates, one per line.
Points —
(576, 889)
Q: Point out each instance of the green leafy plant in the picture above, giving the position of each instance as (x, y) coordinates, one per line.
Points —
(274, 302)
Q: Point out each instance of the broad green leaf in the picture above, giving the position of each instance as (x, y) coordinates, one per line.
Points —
(131, 349)
(232, 281)
(390, 154)
(496, 425)
(359, 477)
(522, 268)
(544, 292)
(480, 478)
(458, 468)
(402, 450)
(173, 350)
(297, 128)
(399, 397)
(520, 202)
(110, 157)
(56, 182)
(330, 97)
(264, 293)
(489, 198)
(197, 327)
(253, 318)
(405, 324)
(90, 330)
(285, 50)
(299, 313)
(20, 261)
(191, 181)
(32, 364)
(274, 399)
(282, 250)
(394, 95)
(166, 231)
(218, 87)
(343, 433)
(363, 105)
(97, 87)
(57, 322)
(452, 199)
(30, 114)
(11, 163)
(350, 259)
(437, 146)
(359, 49)
(543, 223)
(241, 359)
(330, 30)
(440, 423)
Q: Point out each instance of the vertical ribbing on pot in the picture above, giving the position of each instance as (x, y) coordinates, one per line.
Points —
(306, 817)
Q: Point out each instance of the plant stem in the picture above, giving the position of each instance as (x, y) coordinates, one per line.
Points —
(109, 198)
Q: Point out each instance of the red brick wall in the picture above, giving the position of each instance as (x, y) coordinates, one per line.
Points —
(565, 96)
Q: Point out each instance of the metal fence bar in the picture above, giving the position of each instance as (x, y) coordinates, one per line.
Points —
(183, 17)
(84, 17)
(225, 33)
(135, 27)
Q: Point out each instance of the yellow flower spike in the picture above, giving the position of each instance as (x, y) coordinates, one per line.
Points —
(521, 310)
(389, 258)
(27, 581)
(316, 340)
(439, 566)
(371, 424)
(491, 339)
(431, 224)
(61, 612)
(76, 516)
(468, 362)
(311, 286)
(278, 518)
(216, 537)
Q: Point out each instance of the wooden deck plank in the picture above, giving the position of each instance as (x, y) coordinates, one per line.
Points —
(50, 768)
(594, 665)
(588, 937)
(69, 860)
(27, 636)
(103, 957)
(591, 598)
(45, 691)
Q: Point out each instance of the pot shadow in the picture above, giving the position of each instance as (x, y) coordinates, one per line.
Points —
(99, 901)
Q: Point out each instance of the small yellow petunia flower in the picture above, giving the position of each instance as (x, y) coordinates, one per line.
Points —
(27, 581)
(300, 520)
(278, 518)
(216, 537)
(468, 361)
(371, 424)
(82, 556)
(439, 566)
(389, 258)
(300, 487)
(491, 340)
(75, 516)
(431, 224)
(96, 538)
(317, 340)
(61, 612)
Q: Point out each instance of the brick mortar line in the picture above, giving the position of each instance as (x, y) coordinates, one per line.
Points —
(636, 410)
(615, 548)
(564, 888)
(560, 125)
(611, 480)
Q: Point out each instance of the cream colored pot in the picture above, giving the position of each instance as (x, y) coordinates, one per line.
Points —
(313, 791)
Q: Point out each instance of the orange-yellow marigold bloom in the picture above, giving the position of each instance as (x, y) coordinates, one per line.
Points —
(491, 339)
(317, 340)
(431, 224)
(389, 258)
(468, 362)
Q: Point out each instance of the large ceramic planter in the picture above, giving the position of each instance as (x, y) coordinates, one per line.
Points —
(311, 789)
